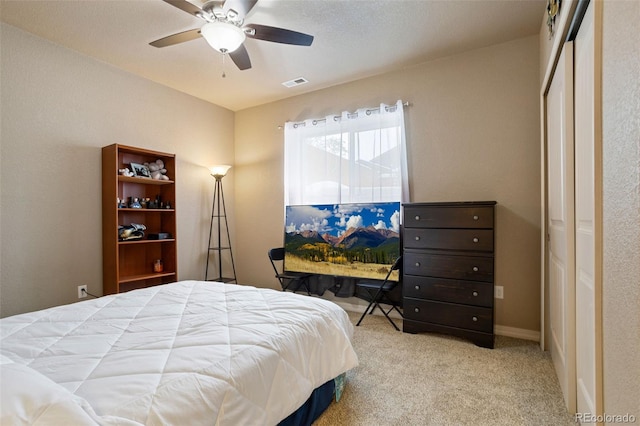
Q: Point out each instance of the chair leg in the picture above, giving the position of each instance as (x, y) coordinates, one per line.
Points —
(398, 311)
(376, 305)
(305, 282)
(298, 284)
(373, 308)
(365, 312)
(374, 302)
(389, 319)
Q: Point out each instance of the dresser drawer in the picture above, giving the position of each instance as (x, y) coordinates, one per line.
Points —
(449, 239)
(444, 290)
(473, 268)
(461, 316)
(448, 217)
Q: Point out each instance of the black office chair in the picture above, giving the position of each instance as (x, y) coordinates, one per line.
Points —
(293, 280)
(379, 293)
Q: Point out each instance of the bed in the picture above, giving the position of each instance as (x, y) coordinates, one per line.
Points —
(184, 353)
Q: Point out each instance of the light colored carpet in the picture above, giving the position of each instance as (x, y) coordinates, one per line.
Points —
(430, 379)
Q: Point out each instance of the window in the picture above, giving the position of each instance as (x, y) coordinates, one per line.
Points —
(351, 158)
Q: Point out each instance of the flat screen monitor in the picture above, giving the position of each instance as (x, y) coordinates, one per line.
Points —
(359, 240)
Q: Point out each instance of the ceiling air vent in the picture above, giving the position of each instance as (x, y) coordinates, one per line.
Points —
(295, 82)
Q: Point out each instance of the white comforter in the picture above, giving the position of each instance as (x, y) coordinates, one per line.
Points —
(184, 353)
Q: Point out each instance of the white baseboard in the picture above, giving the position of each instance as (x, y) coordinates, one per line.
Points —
(501, 330)
(518, 333)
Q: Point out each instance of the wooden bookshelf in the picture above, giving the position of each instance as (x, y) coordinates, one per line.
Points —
(128, 265)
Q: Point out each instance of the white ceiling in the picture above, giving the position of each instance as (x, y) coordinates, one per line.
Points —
(353, 39)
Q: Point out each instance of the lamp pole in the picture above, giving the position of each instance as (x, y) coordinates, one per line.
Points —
(218, 172)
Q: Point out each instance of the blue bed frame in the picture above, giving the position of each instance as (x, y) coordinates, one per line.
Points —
(309, 412)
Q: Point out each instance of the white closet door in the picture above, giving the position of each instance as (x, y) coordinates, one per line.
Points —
(560, 217)
(588, 283)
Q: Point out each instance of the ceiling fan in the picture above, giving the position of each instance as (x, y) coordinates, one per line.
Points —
(225, 32)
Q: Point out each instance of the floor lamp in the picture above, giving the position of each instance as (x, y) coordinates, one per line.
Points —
(218, 214)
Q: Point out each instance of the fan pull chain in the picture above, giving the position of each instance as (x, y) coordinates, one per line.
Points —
(224, 55)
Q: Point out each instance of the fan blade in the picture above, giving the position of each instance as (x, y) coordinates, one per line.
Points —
(185, 6)
(279, 35)
(241, 6)
(177, 38)
(240, 57)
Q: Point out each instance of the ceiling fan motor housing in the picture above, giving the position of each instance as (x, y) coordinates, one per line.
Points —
(214, 11)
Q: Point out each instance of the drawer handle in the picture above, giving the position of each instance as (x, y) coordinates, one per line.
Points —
(475, 240)
(475, 269)
(417, 287)
(417, 238)
(417, 217)
(475, 293)
(475, 217)
(418, 264)
(416, 310)
(475, 319)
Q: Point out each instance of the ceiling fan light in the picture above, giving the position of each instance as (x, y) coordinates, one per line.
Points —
(222, 36)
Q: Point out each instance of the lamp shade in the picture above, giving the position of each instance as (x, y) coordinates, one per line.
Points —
(222, 36)
(220, 170)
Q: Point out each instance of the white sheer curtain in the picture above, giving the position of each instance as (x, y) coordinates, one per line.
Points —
(351, 158)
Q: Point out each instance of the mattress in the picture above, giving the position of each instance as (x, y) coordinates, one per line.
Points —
(183, 353)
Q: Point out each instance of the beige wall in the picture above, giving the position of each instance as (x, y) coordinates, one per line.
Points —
(621, 207)
(472, 132)
(58, 109)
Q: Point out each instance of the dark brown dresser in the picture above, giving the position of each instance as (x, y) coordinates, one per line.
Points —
(448, 269)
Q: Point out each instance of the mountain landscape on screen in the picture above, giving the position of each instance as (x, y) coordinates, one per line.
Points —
(354, 240)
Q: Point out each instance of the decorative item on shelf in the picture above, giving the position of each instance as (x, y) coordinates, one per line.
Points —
(160, 236)
(158, 266)
(126, 172)
(157, 170)
(134, 203)
(219, 213)
(135, 231)
(143, 203)
(140, 170)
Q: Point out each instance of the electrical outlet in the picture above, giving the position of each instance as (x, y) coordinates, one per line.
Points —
(499, 292)
(82, 294)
